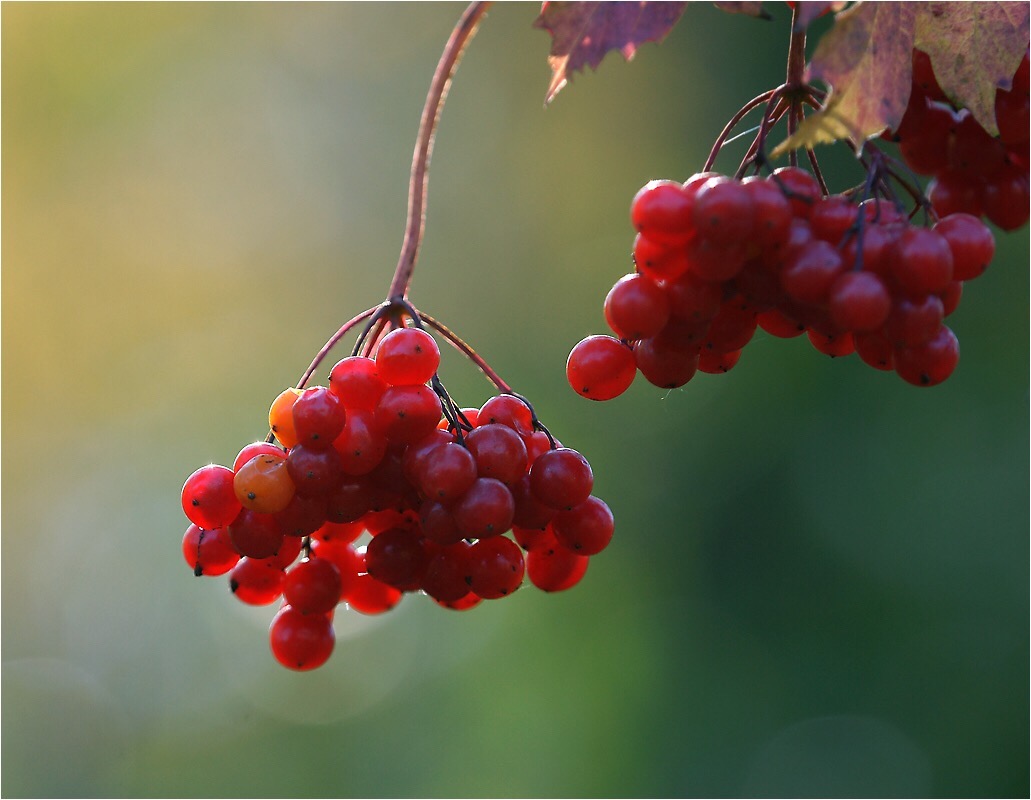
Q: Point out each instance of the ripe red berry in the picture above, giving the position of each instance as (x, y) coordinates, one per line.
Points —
(561, 478)
(209, 552)
(971, 243)
(485, 510)
(319, 417)
(930, 363)
(301, 641)
(406, 356)
(499, 452)
(313, 586)
(208, 497)
(356, 381)
(585, 529)
(555, 568)
(408, 413)
(661, 210)
(495, 567)
(600, 368)
(636, 307)
(859, 301)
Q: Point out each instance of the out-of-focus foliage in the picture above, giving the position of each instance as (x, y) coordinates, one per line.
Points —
(819, 580)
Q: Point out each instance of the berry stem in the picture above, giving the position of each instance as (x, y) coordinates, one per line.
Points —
(796, 53)
(733, 123)
(466, 350)
(336, 337)
(417, 185)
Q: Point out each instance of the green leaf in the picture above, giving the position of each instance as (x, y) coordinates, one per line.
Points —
(826, 126)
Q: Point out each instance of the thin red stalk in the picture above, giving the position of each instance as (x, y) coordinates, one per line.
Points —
(466, 350)
(336, 337)
(417, 185)
(796, 52)
(733, 123)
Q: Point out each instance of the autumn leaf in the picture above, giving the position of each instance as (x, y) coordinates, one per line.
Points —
(974, 48)
(866, 59)
(583, 33)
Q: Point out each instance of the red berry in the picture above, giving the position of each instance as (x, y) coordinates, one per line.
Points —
(930, 363)
(313, 586)
(859, 301)
(485, 510)
(356, 381)
(209, 552)
(636, 307)
(600, 368)
(301, 641)
(561, 478)
(407, 356)
(661, 210)
(495, 567)
(208, 497)
(319, 417)
(586, 529)
(499, 452)
(971, 243)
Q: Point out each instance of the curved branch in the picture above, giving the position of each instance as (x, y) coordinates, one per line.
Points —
(416, 221)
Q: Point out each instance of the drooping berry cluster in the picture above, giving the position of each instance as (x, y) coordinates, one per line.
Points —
(718, 258)
(973, 171)
(432, 489)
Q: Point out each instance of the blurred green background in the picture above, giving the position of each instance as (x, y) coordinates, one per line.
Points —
(819, 581)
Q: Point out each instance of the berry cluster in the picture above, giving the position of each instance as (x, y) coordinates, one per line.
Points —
(718, 258)
(973, 171)
(383, 453)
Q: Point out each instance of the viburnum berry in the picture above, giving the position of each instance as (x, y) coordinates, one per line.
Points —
(930, 363)
(281, 417)
(585, 529)
(301, 641)
(209, 552)
(600, 368)
(407, 356)
(636, 307)
(356, 381)
(264, 484)
(661, 211)
(319, 417)
(256, 582)
(255, 535)
(485, 510)
(555, 568)
(312, 586)
(495, 567)
(368, 595)
(407, 413)
(506, 409)
(561, 478)
(208, 497)
(498, 452)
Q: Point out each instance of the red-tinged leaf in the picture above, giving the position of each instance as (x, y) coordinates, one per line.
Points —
(867, 60)
(974, 48)
(583, 33)
(808, 10)
(753, 9)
